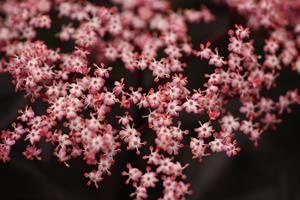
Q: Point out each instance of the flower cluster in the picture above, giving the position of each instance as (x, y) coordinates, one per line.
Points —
(80, 94)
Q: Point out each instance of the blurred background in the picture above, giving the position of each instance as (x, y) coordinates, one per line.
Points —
(270, 171)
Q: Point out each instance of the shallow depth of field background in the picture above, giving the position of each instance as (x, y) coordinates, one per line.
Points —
(269, 172)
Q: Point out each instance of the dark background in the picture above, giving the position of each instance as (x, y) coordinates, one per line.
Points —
(269, 172)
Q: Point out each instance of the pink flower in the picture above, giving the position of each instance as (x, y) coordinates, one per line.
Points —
(82, 92)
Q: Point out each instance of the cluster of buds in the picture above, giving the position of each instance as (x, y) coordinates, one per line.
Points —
(144, 35)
